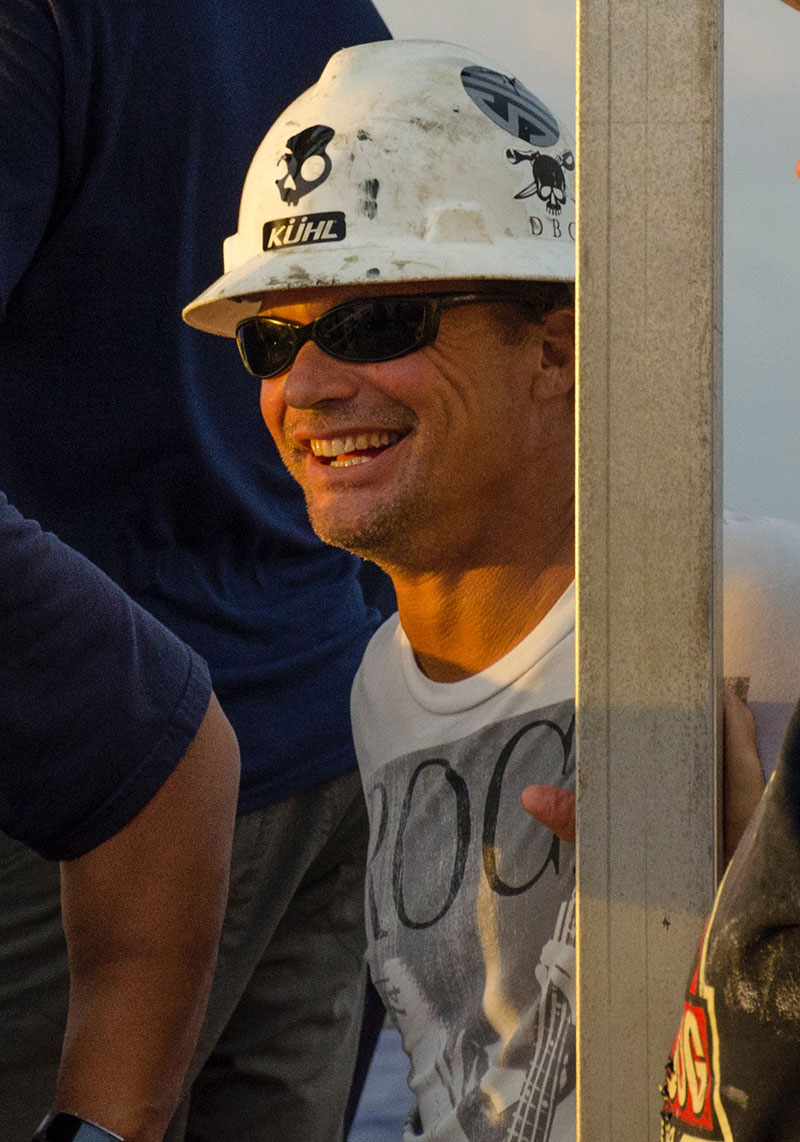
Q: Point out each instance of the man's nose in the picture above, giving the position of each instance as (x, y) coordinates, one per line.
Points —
(315, 378)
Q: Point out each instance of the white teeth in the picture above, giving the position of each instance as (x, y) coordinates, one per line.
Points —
(358, 443)
(350, 461)
(322, 447)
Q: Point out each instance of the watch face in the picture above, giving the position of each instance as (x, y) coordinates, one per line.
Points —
(62, 1127)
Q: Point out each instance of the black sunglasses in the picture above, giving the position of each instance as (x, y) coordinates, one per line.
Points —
(366, 330)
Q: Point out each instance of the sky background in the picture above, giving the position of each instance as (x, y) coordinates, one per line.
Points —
(761, 207)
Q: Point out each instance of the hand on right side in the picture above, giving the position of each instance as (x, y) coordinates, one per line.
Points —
(743, 782)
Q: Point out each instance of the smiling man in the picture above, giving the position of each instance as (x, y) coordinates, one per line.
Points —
(414, 463)
(405, 290)
(401, 282)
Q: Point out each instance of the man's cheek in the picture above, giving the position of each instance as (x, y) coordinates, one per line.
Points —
(271, 410)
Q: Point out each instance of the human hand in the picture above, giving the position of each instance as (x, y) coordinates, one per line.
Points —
(553, 807)
(743, 782)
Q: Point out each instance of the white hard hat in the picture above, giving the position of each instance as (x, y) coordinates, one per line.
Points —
(409, 160)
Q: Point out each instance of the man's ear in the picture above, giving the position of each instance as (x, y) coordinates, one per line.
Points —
(556, 373)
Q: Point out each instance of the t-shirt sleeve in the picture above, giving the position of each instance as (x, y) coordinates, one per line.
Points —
(98, 700)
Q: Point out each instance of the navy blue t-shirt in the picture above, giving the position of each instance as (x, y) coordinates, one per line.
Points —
(99, 701)
(127, 132)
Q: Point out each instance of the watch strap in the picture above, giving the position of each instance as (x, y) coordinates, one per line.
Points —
(58, 1126)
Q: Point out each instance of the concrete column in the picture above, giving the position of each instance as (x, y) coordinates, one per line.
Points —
(648, 701)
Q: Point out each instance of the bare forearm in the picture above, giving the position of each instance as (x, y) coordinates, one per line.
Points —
(743, 778)
(142, 915)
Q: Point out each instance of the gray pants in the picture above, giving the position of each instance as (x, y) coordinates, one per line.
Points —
(277, 1049)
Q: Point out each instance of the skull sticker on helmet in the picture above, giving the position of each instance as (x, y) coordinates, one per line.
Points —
(307, 164)
(510, 105)
(548, 176)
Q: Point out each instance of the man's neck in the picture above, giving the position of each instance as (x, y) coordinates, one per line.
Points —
(460, 622)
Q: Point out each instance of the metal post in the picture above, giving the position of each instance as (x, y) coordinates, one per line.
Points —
(649, 300)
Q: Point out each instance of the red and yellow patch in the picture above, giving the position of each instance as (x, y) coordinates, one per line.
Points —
(692, 1111)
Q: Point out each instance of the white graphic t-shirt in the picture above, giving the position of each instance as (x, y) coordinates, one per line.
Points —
(470, 910)
(469, 900)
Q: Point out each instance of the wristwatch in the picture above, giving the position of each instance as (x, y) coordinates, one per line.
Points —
(58, 1126)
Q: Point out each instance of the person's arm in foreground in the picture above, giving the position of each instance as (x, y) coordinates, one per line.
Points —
(142, 914)
(115, 759)
(743, 782)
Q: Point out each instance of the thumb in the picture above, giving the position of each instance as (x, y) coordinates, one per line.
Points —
(554, 807)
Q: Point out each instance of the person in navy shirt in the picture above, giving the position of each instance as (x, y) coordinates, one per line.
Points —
(129, 128)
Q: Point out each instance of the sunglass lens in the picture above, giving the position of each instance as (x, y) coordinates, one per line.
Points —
(267, 347)
(374, 330)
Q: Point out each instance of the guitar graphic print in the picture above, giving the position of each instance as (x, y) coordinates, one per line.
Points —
(542, 1090)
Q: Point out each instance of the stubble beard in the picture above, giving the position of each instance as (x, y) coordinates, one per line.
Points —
(384, 539)
(387, 537)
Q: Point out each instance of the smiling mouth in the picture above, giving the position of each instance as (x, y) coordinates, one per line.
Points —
(345, 451)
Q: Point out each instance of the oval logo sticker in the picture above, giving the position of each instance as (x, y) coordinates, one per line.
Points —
(510, 105)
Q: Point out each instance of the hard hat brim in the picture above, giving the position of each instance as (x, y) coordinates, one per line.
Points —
(241, 292)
